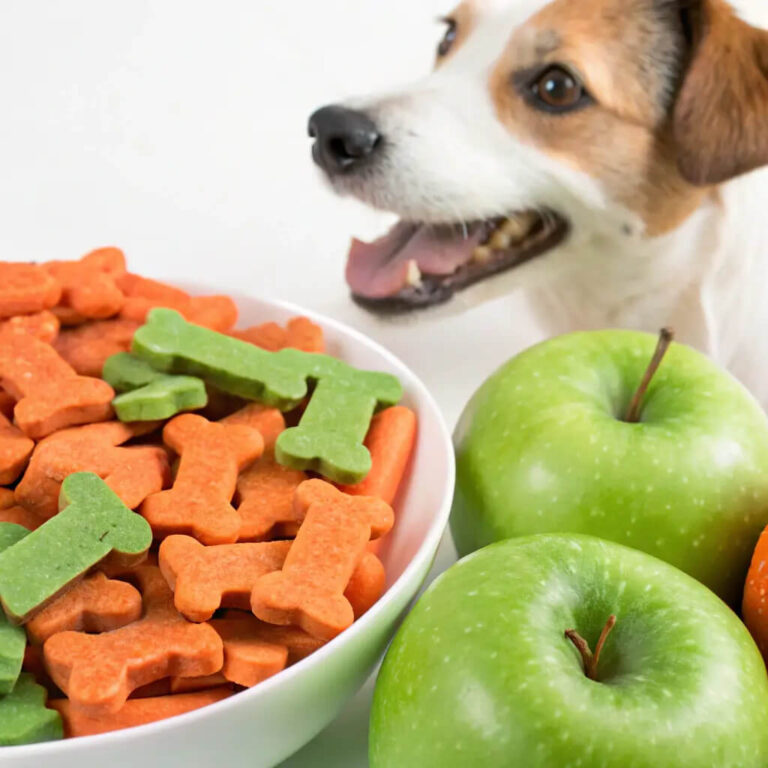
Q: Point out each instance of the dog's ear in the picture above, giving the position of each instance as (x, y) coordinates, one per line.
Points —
(720, 118)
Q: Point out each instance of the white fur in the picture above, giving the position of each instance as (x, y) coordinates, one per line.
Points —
(450, 159)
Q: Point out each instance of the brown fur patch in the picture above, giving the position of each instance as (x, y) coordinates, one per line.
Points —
(628, 55)
(631, 55)
(721, 116)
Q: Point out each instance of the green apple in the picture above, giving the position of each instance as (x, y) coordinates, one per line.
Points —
(482, 675)
(544, 446)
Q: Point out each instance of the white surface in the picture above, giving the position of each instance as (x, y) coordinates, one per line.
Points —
(177, 130)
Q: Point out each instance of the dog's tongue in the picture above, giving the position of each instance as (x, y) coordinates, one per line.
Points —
(380, 269)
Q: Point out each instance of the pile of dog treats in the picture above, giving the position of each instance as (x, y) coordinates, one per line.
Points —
(185, 509)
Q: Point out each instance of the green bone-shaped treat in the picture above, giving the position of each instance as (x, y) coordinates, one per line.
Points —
(11, 534)
(147, 395)
(329, 437)
(24, 718)
(93, 523)
(13, 639)
(169, 343)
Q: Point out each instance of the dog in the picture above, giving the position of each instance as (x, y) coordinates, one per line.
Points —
(608, 156)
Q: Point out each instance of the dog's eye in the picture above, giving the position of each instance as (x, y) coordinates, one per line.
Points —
(558, 90)
(448, 39)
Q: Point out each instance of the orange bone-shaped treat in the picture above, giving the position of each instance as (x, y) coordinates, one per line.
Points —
(248, 658)
(299, 643)
(206, 578)
(127, 573)
(366, 585)
(50, 394)
(98, 672)
(299, 333)
(309, 590)
(42, 325)
(158, 688)
(7, 404)
(192, 684)
(11, 512)
(390, 441)
(269, 421)
(265, 500)
(95, 604)
(7, 499)
(212, 455)
(88, 285)
(135, 712)
(15, 450)
(218, 313)
(265, 489)
(20, 516)
(133, 473)
(87, 347)
(26, 288)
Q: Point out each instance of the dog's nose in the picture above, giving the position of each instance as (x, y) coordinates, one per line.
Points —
(343, 138)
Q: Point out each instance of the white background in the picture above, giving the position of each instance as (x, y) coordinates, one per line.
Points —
(177, 130)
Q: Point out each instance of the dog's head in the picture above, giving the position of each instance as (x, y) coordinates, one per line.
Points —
(544, 123)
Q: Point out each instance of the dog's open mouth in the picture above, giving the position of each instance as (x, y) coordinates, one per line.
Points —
(415, 266)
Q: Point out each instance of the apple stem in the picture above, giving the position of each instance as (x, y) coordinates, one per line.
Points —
(591, 660)
(666, 335)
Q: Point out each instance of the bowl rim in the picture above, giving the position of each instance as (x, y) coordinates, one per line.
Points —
(425, 552)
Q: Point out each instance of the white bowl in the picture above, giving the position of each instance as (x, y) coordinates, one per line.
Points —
(261, 727)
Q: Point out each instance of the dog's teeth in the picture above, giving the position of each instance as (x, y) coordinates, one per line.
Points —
(500, 240)
(413, 275)
(517, 227)
(482, 253)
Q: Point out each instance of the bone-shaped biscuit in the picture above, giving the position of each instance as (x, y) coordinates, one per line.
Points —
(296, 642)
(88, 346)
(198, 504)
(136, 711)
(98, 672)
(265, 489)
(169, 343)
(133, 473)
(299, 643)
(50, 394)
(248, 658)
(15, 450)
(7, 404)
(11, 512)
(193, 684)
(142, 295)
(329, 438)
(146, 395)
(13, 639)
(205, 579)
(309, 590)
(366, 585)
(24, 718)
(42, 325)
(26, 288)
(390, 441)
(299, 333)
(92, 525)
(96, 604)
(264, 497)
(89, 288)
